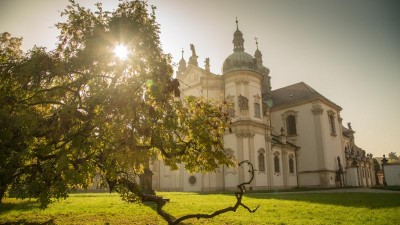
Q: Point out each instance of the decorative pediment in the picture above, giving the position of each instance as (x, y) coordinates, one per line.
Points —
(192, 77)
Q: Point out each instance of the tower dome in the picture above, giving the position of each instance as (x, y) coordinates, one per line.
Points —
(239, 61)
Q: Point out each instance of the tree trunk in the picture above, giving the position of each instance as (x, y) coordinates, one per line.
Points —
(3, 189)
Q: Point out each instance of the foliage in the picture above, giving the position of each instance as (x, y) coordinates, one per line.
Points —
(393, 158)
(78, 111)
(291, 208)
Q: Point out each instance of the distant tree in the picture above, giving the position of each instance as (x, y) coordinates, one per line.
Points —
(393, 158)
(78, 111)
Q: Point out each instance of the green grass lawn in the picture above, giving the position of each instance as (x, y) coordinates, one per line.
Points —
(293, 208)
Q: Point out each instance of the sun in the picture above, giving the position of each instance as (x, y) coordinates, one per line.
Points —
(121, 52)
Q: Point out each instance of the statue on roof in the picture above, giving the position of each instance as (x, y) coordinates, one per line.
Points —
(193, 58)
(207, 64)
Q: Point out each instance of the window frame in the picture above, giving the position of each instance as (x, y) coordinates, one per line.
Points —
(261, 161)
(277, 166)
(285, 116)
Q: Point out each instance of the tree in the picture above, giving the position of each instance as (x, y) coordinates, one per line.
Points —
(38, 124)
(11, 138)
(82, 111)
(393, 158)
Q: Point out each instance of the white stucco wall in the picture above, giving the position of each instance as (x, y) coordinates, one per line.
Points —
(333, 143)
(312, 158)
(305, 135)
(352, 177)
(392, 174)
(168, 179)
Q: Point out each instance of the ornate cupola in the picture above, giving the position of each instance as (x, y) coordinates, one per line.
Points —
(181, 67)
(239, 60)
(238, 40)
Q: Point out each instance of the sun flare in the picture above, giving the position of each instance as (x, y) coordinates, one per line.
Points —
(121, 51)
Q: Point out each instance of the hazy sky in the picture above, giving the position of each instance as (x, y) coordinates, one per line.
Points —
(348, 50)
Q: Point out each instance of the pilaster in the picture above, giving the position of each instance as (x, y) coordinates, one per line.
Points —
(317, 110)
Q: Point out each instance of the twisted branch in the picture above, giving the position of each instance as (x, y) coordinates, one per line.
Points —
(133, 187)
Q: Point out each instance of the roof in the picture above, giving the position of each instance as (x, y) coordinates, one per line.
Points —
(275, 140)
(297, 93)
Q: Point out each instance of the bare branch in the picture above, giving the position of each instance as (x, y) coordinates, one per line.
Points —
(133, 187)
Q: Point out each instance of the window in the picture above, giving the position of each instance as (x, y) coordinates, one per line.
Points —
(331, 117)
(289, 119)
(276, 164)
(257, 112)
(291, 125)
(291, 164)
(261, 162)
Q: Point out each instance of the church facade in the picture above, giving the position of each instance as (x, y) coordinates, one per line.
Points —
(293, 135)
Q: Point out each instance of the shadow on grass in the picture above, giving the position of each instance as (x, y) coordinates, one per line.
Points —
(50, 222)
(357, 200)
(19, 206)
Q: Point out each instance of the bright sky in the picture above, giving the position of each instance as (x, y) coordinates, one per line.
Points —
(348, 50)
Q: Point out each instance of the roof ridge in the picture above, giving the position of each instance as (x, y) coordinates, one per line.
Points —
(289, 86)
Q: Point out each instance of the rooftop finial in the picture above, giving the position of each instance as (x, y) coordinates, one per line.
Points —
(182, 66)
(256, 41)
(237, 24)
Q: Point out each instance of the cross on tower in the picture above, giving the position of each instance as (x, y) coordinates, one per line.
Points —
(237, 24)
(256, 41)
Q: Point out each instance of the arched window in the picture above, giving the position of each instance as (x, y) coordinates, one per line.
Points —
(291, 125)
(291, 165)
(276, 164)
(257, 112)
(261, 162)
